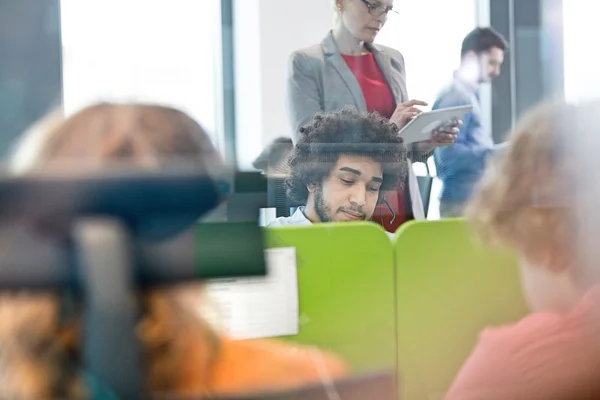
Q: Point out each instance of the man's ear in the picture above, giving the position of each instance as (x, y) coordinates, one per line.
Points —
(311, 187)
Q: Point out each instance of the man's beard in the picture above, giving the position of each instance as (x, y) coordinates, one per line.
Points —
(321, 208)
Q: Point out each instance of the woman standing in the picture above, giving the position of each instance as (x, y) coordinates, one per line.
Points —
(346, 68)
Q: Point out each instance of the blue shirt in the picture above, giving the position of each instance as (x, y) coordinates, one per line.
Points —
(461, 165)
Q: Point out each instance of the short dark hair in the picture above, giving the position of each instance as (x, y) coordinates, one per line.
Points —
(481, 40)
(346, 131)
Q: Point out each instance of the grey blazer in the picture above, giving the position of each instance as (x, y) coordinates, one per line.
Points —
(320, 80)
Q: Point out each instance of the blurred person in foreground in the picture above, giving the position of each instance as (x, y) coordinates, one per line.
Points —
(528, 201)
(40, 355)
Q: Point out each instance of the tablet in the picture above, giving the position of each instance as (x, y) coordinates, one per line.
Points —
(421, 127)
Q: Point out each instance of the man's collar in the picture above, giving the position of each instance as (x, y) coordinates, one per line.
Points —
(299, 217)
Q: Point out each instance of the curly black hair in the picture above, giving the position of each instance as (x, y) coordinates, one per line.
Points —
(346, 131)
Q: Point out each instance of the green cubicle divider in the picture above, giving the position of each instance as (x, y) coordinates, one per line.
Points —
(449, 287)
(346, 290)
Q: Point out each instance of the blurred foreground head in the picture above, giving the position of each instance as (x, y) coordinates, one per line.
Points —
(108, 135)
(539, 199)
(39, 354)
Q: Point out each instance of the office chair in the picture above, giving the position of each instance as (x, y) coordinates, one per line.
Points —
(277, 197)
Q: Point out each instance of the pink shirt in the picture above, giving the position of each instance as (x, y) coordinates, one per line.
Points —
(546, 356)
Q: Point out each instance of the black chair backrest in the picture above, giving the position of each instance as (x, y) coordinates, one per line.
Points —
(151, 205)
(278, 198)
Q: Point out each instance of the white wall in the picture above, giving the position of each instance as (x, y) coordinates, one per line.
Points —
(266, 32)
(429, 42)
(485, 93)
(581, 73)
(106, 58)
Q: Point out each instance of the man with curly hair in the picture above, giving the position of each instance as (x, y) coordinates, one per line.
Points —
(341, 166)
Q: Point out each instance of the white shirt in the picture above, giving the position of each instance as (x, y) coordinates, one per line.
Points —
(296, 219)
(299, 219)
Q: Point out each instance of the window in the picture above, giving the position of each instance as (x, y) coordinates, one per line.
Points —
(429, 34)
(580, 72)
(165, 51)
(266, 32)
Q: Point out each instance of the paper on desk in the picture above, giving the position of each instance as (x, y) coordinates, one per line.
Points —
(257, 307)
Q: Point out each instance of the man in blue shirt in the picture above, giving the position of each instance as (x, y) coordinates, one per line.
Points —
(461, 165)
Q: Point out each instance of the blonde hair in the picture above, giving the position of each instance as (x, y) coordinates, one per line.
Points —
(104, 134)
(527, 197)
(39, 355)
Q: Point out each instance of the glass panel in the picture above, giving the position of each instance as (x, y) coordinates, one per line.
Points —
(164, 51)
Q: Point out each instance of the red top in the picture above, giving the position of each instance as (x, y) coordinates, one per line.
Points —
(379, 97)
(375, 88)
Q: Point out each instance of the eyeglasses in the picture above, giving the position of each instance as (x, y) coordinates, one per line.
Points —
(378, 9)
